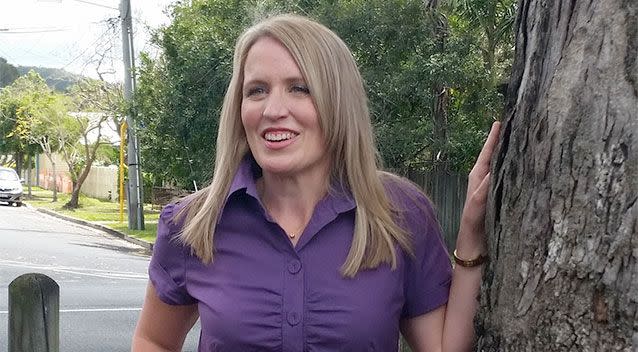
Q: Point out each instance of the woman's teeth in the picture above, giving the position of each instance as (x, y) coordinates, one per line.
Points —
(278, 136)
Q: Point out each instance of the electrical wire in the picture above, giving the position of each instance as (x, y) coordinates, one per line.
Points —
(90, 46)
(96, 4)
(34, 30)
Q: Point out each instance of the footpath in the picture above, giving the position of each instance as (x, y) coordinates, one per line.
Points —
(97, 214)
(95, 225)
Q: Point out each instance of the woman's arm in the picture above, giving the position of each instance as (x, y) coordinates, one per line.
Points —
(162, 327)
(451, 328)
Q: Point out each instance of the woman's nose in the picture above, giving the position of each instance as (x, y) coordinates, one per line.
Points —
(275, 106)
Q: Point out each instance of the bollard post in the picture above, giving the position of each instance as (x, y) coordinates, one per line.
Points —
(34, 314)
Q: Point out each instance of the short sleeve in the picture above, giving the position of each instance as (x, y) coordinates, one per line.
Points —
(167, 270)
(428, 274)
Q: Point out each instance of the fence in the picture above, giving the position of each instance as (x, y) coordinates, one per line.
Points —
(102, 183)
(447, 191)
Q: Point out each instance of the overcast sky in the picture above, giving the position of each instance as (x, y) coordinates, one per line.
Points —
(68, 33)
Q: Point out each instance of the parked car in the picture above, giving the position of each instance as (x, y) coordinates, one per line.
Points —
(10, 186)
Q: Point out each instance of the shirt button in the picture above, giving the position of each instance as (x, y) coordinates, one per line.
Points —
(294, 266)
(293, 318)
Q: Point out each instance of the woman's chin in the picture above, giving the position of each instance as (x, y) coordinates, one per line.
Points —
(277, 168)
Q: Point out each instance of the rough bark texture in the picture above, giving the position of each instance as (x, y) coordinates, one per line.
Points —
(563, 214)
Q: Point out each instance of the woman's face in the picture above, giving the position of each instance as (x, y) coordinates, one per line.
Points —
(278, 113)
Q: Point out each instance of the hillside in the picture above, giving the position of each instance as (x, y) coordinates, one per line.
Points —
(57, 79)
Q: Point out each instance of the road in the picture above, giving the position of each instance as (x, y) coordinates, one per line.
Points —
(102, 279)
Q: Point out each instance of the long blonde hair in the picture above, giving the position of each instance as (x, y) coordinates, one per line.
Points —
(336, 86)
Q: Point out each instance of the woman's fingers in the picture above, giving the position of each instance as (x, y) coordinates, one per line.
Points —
(483, 161)
(482, 190)
(475, 204)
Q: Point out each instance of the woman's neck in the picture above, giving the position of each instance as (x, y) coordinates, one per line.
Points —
(290, 200)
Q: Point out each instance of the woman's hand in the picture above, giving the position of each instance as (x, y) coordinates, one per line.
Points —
(471, 240)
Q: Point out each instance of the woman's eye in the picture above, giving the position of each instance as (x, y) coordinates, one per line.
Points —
(300, 88)
(253, 91)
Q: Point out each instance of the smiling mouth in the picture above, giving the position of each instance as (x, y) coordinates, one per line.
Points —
(279, 136)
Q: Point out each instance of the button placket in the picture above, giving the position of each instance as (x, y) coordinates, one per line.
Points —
(293, 303)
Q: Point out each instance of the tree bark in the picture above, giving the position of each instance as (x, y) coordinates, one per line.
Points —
(19, 159)
(562, 213)
(440, 91)
(74, 201)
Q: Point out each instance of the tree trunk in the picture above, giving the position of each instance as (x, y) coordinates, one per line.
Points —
(563, 216)
(19, 159)
(74, 202)
(29, 168)
(440, 92)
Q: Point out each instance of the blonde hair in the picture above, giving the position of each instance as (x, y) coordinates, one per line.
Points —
(336, 86)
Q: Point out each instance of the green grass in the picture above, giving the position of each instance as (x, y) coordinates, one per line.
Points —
(95, 210)
(148, 234)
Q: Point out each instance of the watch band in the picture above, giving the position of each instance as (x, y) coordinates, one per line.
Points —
(483, 258)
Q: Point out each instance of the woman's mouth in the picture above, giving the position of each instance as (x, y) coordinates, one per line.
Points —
(279, 136)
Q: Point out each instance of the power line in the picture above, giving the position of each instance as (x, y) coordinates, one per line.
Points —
(90, 46)
(96, 4)
(27, 30)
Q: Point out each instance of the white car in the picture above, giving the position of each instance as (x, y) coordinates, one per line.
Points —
(10, 186)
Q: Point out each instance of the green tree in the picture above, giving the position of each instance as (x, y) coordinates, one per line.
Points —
(179, 96)
(51, 130)
(25, 97)
(96, 103)
(8, 73)
(429, 102)
(34, 116)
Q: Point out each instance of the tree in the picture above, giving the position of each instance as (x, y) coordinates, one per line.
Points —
(33, 116)
(563, 218)
(49, 129)
(179, 95)
(98, 103)
(20, 104)
(8, 73)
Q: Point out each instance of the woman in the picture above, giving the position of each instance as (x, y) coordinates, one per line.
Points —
(300, 243)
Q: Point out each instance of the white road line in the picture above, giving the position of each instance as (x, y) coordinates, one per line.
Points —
(91, 310)
(106, 274)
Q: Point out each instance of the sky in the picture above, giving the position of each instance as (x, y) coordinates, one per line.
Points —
(74, 34)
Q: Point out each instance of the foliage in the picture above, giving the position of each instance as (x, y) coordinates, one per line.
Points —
(8, 73)
(179, 96)
(58, 79)
(34, 115)
(91, 95)
(107, 154)
(31, 115)
(96, 103)
(397, 45)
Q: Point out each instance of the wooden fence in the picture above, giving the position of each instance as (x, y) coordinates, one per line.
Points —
(447, 191)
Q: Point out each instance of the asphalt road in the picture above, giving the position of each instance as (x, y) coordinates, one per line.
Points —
(102, 279)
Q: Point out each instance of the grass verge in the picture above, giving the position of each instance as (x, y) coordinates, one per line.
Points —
(95, 210)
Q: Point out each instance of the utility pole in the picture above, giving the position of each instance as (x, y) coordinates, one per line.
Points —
(135, 199)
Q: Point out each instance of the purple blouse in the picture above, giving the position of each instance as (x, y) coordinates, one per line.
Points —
(262, 294)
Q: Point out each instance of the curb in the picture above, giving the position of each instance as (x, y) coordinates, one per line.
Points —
(146, 245)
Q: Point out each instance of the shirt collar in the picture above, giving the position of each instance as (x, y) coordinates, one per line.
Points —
(247, 173)
(339, 197)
